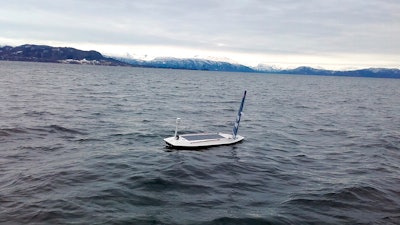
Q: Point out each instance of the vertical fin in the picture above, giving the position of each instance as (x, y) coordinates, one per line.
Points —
(236, 126)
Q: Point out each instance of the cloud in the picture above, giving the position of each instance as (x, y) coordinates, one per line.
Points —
(258, 27)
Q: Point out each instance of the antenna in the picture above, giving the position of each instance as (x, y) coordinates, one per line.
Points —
(176, 128)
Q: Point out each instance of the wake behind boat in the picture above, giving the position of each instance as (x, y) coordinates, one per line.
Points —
(203, 140)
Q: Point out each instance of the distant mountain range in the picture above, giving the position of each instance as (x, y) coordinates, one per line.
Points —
(370, 72)
(42, 53)
(204, 64)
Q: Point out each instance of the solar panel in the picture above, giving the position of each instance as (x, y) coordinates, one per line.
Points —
(198, 137)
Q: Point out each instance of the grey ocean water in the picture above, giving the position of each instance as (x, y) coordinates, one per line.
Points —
(83, 145)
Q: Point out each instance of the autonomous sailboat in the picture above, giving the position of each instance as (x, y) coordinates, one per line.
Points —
(204, 140)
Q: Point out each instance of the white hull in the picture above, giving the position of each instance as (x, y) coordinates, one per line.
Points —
(202, 140)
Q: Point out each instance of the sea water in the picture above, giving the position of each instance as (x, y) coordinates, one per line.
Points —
(84, 145)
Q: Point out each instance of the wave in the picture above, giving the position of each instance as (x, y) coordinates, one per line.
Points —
(366, 203)
(11, 131)
(57, 128)
(38, 130)
(34, 113)
(244, 221)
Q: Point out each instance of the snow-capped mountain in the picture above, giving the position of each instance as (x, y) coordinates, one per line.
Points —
(267, 68)
(212, 65)
(44, 53)
(188, 63)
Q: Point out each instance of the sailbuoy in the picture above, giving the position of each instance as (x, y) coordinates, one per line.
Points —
(203, 140)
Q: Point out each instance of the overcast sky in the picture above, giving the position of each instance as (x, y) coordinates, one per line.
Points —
(321, 33)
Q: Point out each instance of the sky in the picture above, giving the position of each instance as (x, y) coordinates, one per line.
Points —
(329, 34)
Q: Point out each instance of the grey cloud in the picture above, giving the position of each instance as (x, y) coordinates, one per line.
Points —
(246, 26)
